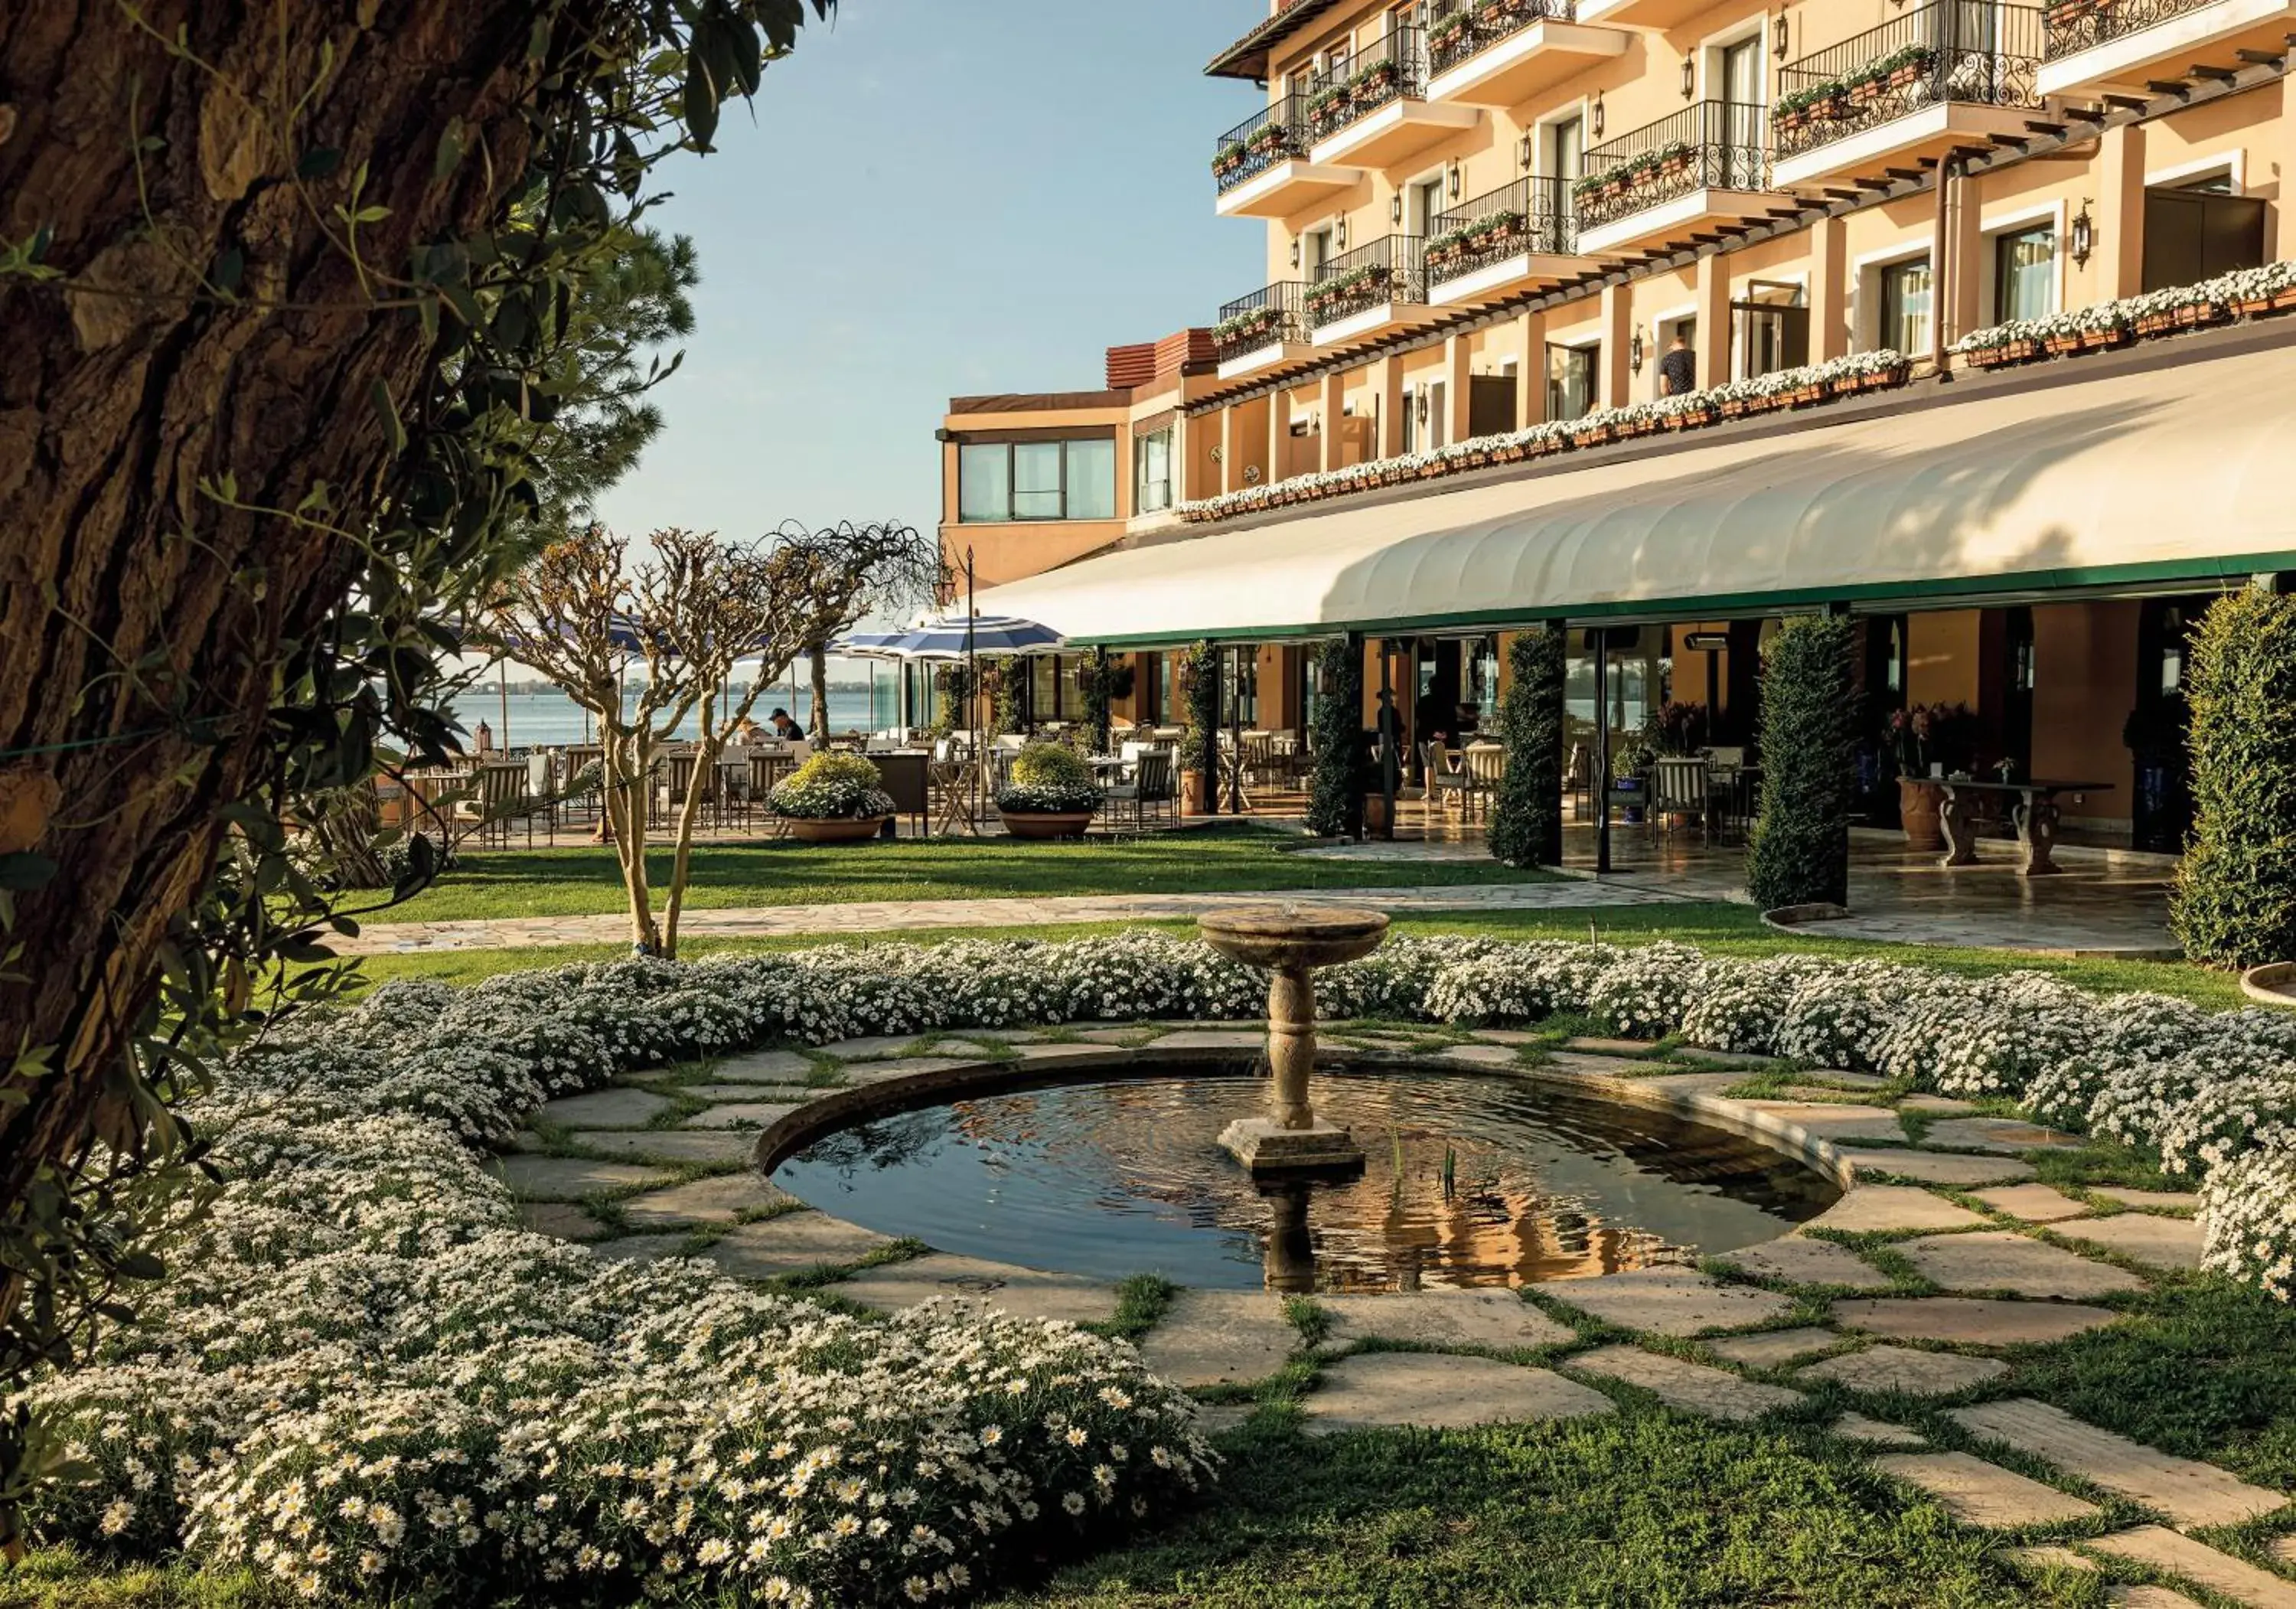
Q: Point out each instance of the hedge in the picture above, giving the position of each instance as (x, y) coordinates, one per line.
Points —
(2235, 899)
(1526, 817)
(1800, 852)
(1336, 791)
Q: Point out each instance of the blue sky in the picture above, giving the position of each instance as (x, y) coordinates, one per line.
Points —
(934, 198)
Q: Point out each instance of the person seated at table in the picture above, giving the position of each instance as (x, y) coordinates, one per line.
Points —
(747, 731)
(785, 726)
(483, 739)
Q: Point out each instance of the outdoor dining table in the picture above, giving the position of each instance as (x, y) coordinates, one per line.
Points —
(2035, 814)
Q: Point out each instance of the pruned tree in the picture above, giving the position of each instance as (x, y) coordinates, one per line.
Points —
(689, 616)
(284, 291)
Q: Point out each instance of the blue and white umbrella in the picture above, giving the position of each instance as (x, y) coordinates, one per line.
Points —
(952, 638)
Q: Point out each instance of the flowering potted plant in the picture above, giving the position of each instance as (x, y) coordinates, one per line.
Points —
(1232, 156)
(1448, 35)
(832, 799)
(1907, 66)
(1674, 159)
(1048, 793)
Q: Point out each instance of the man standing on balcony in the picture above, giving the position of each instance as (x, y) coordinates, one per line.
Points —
(1678, 371)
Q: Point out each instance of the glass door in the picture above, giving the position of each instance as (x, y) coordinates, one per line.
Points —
(1566, 159)
(1905, 306)
(1742, 96)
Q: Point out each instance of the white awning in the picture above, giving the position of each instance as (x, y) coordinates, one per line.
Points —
(2142, 477)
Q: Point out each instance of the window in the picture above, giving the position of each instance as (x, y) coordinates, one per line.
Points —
(2195, 232)
(1424, 206)
(2024, 273)
(1001, 480)
(1152, 471)
(1906, 305)
(1570, 380)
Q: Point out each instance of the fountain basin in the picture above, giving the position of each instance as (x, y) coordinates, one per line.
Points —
(1277, 936)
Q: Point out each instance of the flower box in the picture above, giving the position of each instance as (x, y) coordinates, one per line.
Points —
(1865, 91)
(1904, 76)
(1832, 109)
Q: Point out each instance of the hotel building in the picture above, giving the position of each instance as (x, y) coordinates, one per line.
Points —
(1670, 318)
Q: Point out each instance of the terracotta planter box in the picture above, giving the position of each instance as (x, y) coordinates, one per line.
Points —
(835, 829)
(1919, 801)
(1045, 824)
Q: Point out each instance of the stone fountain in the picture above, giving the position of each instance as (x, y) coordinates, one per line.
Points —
(1291, 943)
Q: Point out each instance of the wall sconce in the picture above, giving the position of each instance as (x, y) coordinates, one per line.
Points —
(1340, 236)
(1295, 253)
(1421, 402)
(1634, 352)
(1689, 77)
(2084, 235)
(1395, 211)
(1780, 45)
(1458, 177)
(1594, 116)
(1522, 149)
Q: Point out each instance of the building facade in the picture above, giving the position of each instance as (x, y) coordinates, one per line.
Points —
(1518, 248)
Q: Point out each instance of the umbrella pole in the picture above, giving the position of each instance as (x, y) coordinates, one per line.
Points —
(972, 697)
(502, 685)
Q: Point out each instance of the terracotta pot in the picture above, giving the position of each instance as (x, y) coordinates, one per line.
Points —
(1045, 824)
(835, 829)
(1919, 801)
(1192, 784)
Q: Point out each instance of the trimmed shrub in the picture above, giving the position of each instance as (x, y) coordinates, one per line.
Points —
(1526, 817)
(831, 786)
(1199, 743)
(1049, 777)
(2235, 902)
(1336, 791)
(1800, 852)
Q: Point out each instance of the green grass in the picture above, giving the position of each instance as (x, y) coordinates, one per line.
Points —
(1716, 926)
(1641, 1511)
(585, 880)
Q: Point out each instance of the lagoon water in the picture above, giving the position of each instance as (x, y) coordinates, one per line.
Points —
(547, 718)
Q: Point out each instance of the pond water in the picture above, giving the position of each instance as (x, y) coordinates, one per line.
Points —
(1469, 1179)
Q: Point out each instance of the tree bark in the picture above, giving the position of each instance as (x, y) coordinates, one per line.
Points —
(142, 622)
(820, 668)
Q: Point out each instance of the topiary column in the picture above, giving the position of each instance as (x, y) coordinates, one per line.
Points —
(2234, 900)
(1200, 741)
(1336, 791)
(1800, 854)
(1527, 815)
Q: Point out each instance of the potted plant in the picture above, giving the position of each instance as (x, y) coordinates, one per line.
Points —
(1630, 771)
(1048, 793)
(1449, 35)
(832, 799)
(1927, 737)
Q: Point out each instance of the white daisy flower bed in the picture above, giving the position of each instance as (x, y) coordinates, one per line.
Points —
(365, 1377)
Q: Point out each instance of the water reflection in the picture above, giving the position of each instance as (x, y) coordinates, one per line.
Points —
(1469, 1180)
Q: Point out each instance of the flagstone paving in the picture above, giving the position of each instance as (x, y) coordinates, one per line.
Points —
(2190, 1494)
(2150, 1598)
(2003, 1259)
(1375, 1389)
(1984, 1494)
(1904, 1370)
(2199, 1563)
(1692, 1387)
(1213, 1338)
(1970, 1320)
(1668, 1302)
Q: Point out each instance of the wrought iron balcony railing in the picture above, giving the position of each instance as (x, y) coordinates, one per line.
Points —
(1393, 69)
(1461, 29)
(1271, 314)
(1532, 214)
(1392, 268)
(1707, 146)
(1253, 146)
(2079, 25)
(1945, 51)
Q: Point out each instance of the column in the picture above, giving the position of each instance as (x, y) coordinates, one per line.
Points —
(1279, 433)
(1965, 240)
(2120, 212)
(1335, 399)
(1231, 473)
(1829, 291)
(1530, 378)
(1458, 387)
(1387, 385)
(1713, 321)
(2284, 205)
(1618, 328)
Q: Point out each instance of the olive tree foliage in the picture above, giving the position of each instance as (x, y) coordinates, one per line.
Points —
(289, 294)
(694, 615)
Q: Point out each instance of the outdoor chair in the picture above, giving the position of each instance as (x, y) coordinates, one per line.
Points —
(1149, 790)
(949, 779)
(1447, 778)
(1680, 787)
(1578, 782)
(1484, 763)
(500, 797)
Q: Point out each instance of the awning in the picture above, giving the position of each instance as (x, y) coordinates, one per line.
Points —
(2141, 478)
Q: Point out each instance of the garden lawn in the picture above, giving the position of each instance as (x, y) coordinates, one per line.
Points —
(585, 880)
(1717, 926)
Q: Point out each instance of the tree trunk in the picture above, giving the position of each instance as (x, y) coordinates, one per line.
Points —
(819, 655)
(143, 622)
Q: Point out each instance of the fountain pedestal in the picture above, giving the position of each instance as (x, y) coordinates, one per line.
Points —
(1291, 943)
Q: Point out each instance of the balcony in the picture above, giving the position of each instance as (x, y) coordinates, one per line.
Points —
(1944, 75)
(2095, 46)
(1261, 165)
(1374, 112)
(1657, 16)
(1514, 239)
(1265, 330)
(1368, 292)
(1500, 52)
(1707, 163)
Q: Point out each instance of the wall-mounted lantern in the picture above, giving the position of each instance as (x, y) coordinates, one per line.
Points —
(1522, 151)
(1395, 211)
(2084, 239)
(1689, 77)
(1634, 352)
(1594, 116)
(1780, 45)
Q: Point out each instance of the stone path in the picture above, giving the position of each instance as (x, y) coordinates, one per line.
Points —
(909, 915)
(1815, 1318)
